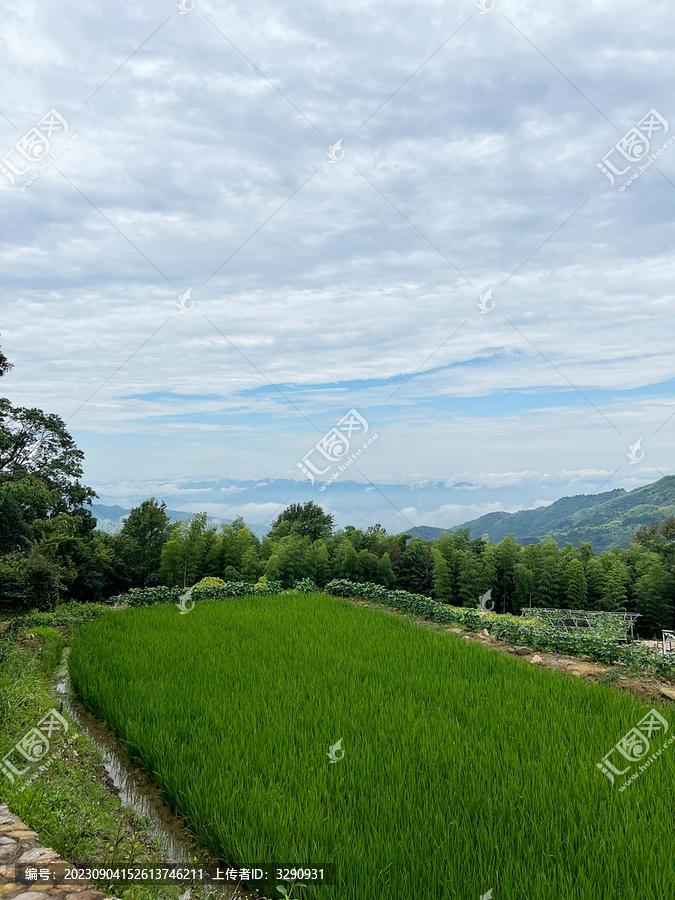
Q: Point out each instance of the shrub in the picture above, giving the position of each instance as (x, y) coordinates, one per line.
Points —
(29, 581)
(229, 589)
(148, 596)
(263, 586)
(66, 614)
(306, 586)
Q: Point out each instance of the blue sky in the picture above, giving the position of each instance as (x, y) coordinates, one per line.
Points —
(199, 159)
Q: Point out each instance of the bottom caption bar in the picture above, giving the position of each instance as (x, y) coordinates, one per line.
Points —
(170, 873)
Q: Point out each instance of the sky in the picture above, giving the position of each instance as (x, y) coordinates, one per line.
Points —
(247, 244)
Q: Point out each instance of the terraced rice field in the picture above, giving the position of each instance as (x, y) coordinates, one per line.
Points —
(463, 770)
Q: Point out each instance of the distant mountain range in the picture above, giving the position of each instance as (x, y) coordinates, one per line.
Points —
(111, 518)
(606, 520)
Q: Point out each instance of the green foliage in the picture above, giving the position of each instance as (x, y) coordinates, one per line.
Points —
(303, 519)
(68, 614)
(306, 586)
(523, 583)
(230, 589)
(460, 767)
(185, 554)
(150, 595)
(209, 581)
(653, 596)
(659, 538)
(36, 443)
(601, 624)
(576, 590)
(144, 533)
(596, 581)
(50, 646)
(30, 580)
(606, 520)
(442, 578)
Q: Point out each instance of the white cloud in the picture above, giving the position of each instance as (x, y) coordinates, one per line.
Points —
(337, 282)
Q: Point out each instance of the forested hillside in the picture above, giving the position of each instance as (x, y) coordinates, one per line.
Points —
(606, 520)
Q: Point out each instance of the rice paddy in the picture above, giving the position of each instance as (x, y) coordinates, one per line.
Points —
(463, 770)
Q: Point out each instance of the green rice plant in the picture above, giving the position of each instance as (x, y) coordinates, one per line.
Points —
(513, 628)
(461, 770)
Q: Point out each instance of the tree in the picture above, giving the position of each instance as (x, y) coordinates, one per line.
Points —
(144, 533)
(442, 578)
(250, 566)
(376, 534)
(653, 598)
(385, 572)
(319, 562)
(305, 519)
(288, 562)
(576, 590)
(5, 364)
(418, 567)
(36, 443)
(231, 574)
(547, 574)
(523, 583)
(272, 568)
(616, 594)
(596, 582)
(488, 567)
(210, 555)
(658, 538)
(468, 579)
(182, 555)
(508, 554)
(14, 531)
(347, 561)
(367, 565)
(29, 581)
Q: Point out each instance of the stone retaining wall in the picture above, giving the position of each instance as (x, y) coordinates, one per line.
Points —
(20, 846)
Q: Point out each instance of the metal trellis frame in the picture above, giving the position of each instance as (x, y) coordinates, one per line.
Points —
(570, 620)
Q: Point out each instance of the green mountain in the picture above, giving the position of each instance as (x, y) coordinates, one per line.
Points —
(606, 520)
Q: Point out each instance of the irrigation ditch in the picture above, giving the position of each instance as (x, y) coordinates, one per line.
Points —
(135, 789)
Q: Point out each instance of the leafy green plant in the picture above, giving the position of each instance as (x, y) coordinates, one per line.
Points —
(229, 589)
(601, 624)
(149, 596)
(67, 614)
(306, 586)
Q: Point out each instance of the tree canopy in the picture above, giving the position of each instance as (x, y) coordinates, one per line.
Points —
(305, 519)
